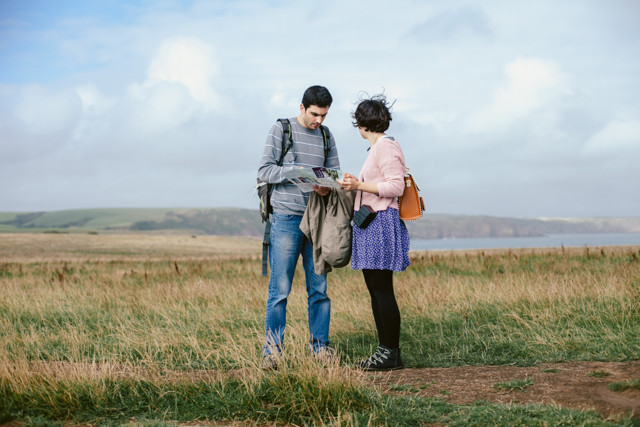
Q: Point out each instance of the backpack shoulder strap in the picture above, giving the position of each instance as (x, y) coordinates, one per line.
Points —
(325, 138)
(287, 138)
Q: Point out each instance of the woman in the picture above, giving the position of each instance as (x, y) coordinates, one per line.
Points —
(383, 246)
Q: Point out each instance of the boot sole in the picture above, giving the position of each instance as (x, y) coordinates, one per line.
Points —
(382, 369)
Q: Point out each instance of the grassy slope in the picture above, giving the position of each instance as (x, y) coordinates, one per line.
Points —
(234, 221)
(8, 216)
(160, 218)
(100, 218)
(97, 218)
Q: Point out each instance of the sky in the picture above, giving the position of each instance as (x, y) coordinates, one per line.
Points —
(502, 108)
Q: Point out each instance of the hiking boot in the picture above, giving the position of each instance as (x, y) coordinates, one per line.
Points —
(326, 355)
(385, 359)
(270, 362)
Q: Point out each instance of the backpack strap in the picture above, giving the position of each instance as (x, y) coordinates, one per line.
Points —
(325, 138)
(287, 139)
(265, 247)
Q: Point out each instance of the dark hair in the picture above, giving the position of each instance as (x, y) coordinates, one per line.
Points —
(373, 114)
(317, 95)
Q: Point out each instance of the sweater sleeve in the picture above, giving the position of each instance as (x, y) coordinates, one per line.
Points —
(390, 161)
(269, 170)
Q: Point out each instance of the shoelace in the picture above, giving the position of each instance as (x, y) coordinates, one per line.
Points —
(379, 356)
(369, 361)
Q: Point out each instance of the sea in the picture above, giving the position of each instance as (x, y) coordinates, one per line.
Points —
(550, 241)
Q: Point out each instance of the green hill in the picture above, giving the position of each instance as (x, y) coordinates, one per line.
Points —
(221, 221)
(246, 222)
(83, 218)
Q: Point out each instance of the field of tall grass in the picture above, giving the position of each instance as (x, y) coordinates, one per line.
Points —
(168, 338)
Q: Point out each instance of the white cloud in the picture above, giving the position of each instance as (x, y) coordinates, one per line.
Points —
(178, 88)
(96, 118)
(36, 121)
(163, 106)
(93, 101)
(617, 137)
(188, 61)
(533, 84)
(452, 23)
(45, 112)
(282, 100)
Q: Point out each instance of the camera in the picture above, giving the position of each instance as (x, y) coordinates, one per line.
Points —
(364, 216)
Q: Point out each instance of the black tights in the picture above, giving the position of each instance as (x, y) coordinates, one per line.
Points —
(384, 305)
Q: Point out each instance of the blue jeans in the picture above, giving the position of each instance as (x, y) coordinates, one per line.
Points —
(285, 246)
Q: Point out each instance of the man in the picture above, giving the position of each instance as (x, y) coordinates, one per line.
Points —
(287, 242)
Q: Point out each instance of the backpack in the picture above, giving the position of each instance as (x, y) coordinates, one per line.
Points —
(264, 190)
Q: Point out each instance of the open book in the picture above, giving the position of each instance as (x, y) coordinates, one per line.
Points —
(306, 178)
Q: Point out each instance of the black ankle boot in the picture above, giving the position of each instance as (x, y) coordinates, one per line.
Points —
(385, 359)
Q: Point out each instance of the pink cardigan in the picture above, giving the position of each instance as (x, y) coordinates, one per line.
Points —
(385, 167)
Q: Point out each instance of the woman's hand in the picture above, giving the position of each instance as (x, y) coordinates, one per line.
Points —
(349, 182)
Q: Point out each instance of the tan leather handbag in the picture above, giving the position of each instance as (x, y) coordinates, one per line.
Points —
(411, 204)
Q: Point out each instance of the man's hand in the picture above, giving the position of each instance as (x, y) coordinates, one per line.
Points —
(323, 191)
(350, 182)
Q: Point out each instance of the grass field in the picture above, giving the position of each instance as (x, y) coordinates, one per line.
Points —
(101, 329)
(27, 248)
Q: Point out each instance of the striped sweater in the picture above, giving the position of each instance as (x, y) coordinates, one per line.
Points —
(308, 147)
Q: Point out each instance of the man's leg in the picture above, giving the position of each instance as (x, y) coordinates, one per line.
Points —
(319, 302)
(285, 245)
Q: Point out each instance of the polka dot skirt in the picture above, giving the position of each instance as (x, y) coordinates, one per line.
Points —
(383, 245)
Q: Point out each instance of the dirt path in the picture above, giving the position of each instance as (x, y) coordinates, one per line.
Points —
(569, 386)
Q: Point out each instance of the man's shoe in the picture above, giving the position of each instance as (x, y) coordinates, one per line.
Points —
(385, 359)
(270, 362)
(326, 355)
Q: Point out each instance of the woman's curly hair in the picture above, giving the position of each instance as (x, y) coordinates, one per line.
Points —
(373, 114)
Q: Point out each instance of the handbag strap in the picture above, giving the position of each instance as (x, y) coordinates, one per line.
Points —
(392, 139)
(407, 171)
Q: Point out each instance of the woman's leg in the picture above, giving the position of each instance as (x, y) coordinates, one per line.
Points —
(385, 308)
(368, 280)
